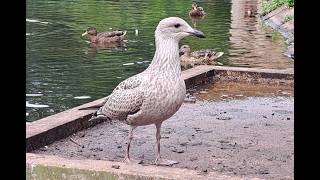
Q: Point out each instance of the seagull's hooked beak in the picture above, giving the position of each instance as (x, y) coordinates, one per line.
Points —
(197, 33)
(85, 33)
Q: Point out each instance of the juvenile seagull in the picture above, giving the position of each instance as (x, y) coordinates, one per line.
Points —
(155, 94)
(104, 37)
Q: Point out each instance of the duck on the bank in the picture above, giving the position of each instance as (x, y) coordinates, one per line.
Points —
(203, 56)
(104, 37)
(196, 11)
(250, 13)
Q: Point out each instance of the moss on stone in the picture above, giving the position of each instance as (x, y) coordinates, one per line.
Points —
(40, 172)
(51, 172)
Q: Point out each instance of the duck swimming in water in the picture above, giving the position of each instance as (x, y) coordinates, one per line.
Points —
(196, 11)
(104, 37)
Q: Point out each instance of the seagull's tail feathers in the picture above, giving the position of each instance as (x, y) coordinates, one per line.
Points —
(99, 116)
(97, 106)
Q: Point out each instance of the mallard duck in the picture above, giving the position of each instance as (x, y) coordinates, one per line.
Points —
(203, 56)
(250, 11)
(196, 11)
(104, 37)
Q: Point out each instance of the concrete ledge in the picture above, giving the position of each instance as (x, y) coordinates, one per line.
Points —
(266, 73)
(282, 30)
(277, 20)
(49, 129)
(198, 75)
(254, 75)
(41, 167)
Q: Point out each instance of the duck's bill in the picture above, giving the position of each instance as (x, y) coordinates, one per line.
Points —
(219, 54)
(85, 33)
(197, 33)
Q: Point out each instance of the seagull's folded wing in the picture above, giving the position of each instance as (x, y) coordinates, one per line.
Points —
(126, 99)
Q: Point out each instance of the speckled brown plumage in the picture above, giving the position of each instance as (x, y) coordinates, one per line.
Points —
(155, 94)
(104, 37)
(196, 11)
(203, 56)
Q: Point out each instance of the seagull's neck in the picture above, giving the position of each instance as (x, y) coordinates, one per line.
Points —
(166, 58)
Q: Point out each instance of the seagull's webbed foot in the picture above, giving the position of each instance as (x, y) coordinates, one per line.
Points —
(165, 162)
(132, 161)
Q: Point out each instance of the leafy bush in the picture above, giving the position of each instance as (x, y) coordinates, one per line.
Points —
(270, 5)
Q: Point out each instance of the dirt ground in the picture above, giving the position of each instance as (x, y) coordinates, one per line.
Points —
(236, 134)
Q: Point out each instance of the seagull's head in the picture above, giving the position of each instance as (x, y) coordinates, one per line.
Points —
(91, 31)
(176, 28)
(184, 49)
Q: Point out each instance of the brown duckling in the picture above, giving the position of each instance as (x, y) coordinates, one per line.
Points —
(104, 37)
(203, 56)
(196, 11)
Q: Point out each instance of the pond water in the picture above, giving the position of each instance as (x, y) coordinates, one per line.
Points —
(63, 71)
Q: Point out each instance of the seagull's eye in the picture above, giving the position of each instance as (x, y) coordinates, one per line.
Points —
(177, 25)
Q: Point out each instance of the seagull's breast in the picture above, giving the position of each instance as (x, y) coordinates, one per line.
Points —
(163, 97)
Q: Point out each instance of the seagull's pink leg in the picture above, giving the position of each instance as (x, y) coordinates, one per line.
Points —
(159, 160)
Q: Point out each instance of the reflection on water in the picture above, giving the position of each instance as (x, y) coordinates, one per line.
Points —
(252, 45)
(195, 20)
(62, 66)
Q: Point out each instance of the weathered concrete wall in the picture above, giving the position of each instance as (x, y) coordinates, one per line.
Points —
(40, 167)
(53, 172)
(277, 20)
(251, 75)
(49, 129)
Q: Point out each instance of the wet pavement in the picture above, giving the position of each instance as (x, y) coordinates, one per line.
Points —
(229, 90)
(240, 133)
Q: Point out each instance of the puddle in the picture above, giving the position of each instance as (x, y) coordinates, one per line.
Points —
(224, 90)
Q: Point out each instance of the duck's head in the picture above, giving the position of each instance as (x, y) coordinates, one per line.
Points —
(200, 9)
(175, 28)
(91, 31)
(194, 6)
(184, 49)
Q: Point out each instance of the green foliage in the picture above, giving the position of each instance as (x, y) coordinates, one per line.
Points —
(270, 5)
(287, 18)
(290, 3)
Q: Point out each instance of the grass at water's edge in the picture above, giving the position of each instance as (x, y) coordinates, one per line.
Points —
(270, 5)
